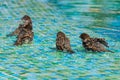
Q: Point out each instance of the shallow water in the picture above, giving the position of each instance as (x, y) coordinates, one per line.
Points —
(40, 60)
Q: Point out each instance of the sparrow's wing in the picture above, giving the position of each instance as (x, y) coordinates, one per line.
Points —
(16, 32)
(87, 44)
(97, 46)
(102, 41)
(60, 43)
(94, 45)
(67, 44)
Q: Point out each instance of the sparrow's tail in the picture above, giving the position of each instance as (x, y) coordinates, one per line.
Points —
(71, 51)
(109, 51)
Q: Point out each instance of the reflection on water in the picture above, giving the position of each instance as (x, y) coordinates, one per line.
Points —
(93, 14)
(40, 60)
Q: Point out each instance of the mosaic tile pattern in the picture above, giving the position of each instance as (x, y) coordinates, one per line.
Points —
(40, 60)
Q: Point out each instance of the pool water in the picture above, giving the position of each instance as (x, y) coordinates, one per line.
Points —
(40, 60)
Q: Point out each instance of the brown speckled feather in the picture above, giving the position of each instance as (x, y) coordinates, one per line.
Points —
(24, 37)
(94, 44)
(60, 42)
(63, 43)
(24, 31)
(102, 41)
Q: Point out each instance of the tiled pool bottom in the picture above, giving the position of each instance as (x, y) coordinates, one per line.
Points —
(40, 60)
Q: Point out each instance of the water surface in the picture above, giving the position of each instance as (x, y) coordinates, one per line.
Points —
(40, 60)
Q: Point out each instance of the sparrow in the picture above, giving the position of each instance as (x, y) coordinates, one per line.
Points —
(63, 43)
(24, 31)
(26, 23)
(25, 36)
(94, 44)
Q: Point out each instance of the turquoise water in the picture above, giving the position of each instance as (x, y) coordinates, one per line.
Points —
(40, 60)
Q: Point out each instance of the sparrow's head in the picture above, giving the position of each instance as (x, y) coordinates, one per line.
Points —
(26, 20)
(26, 17)
(84, 36)
(60, 34)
